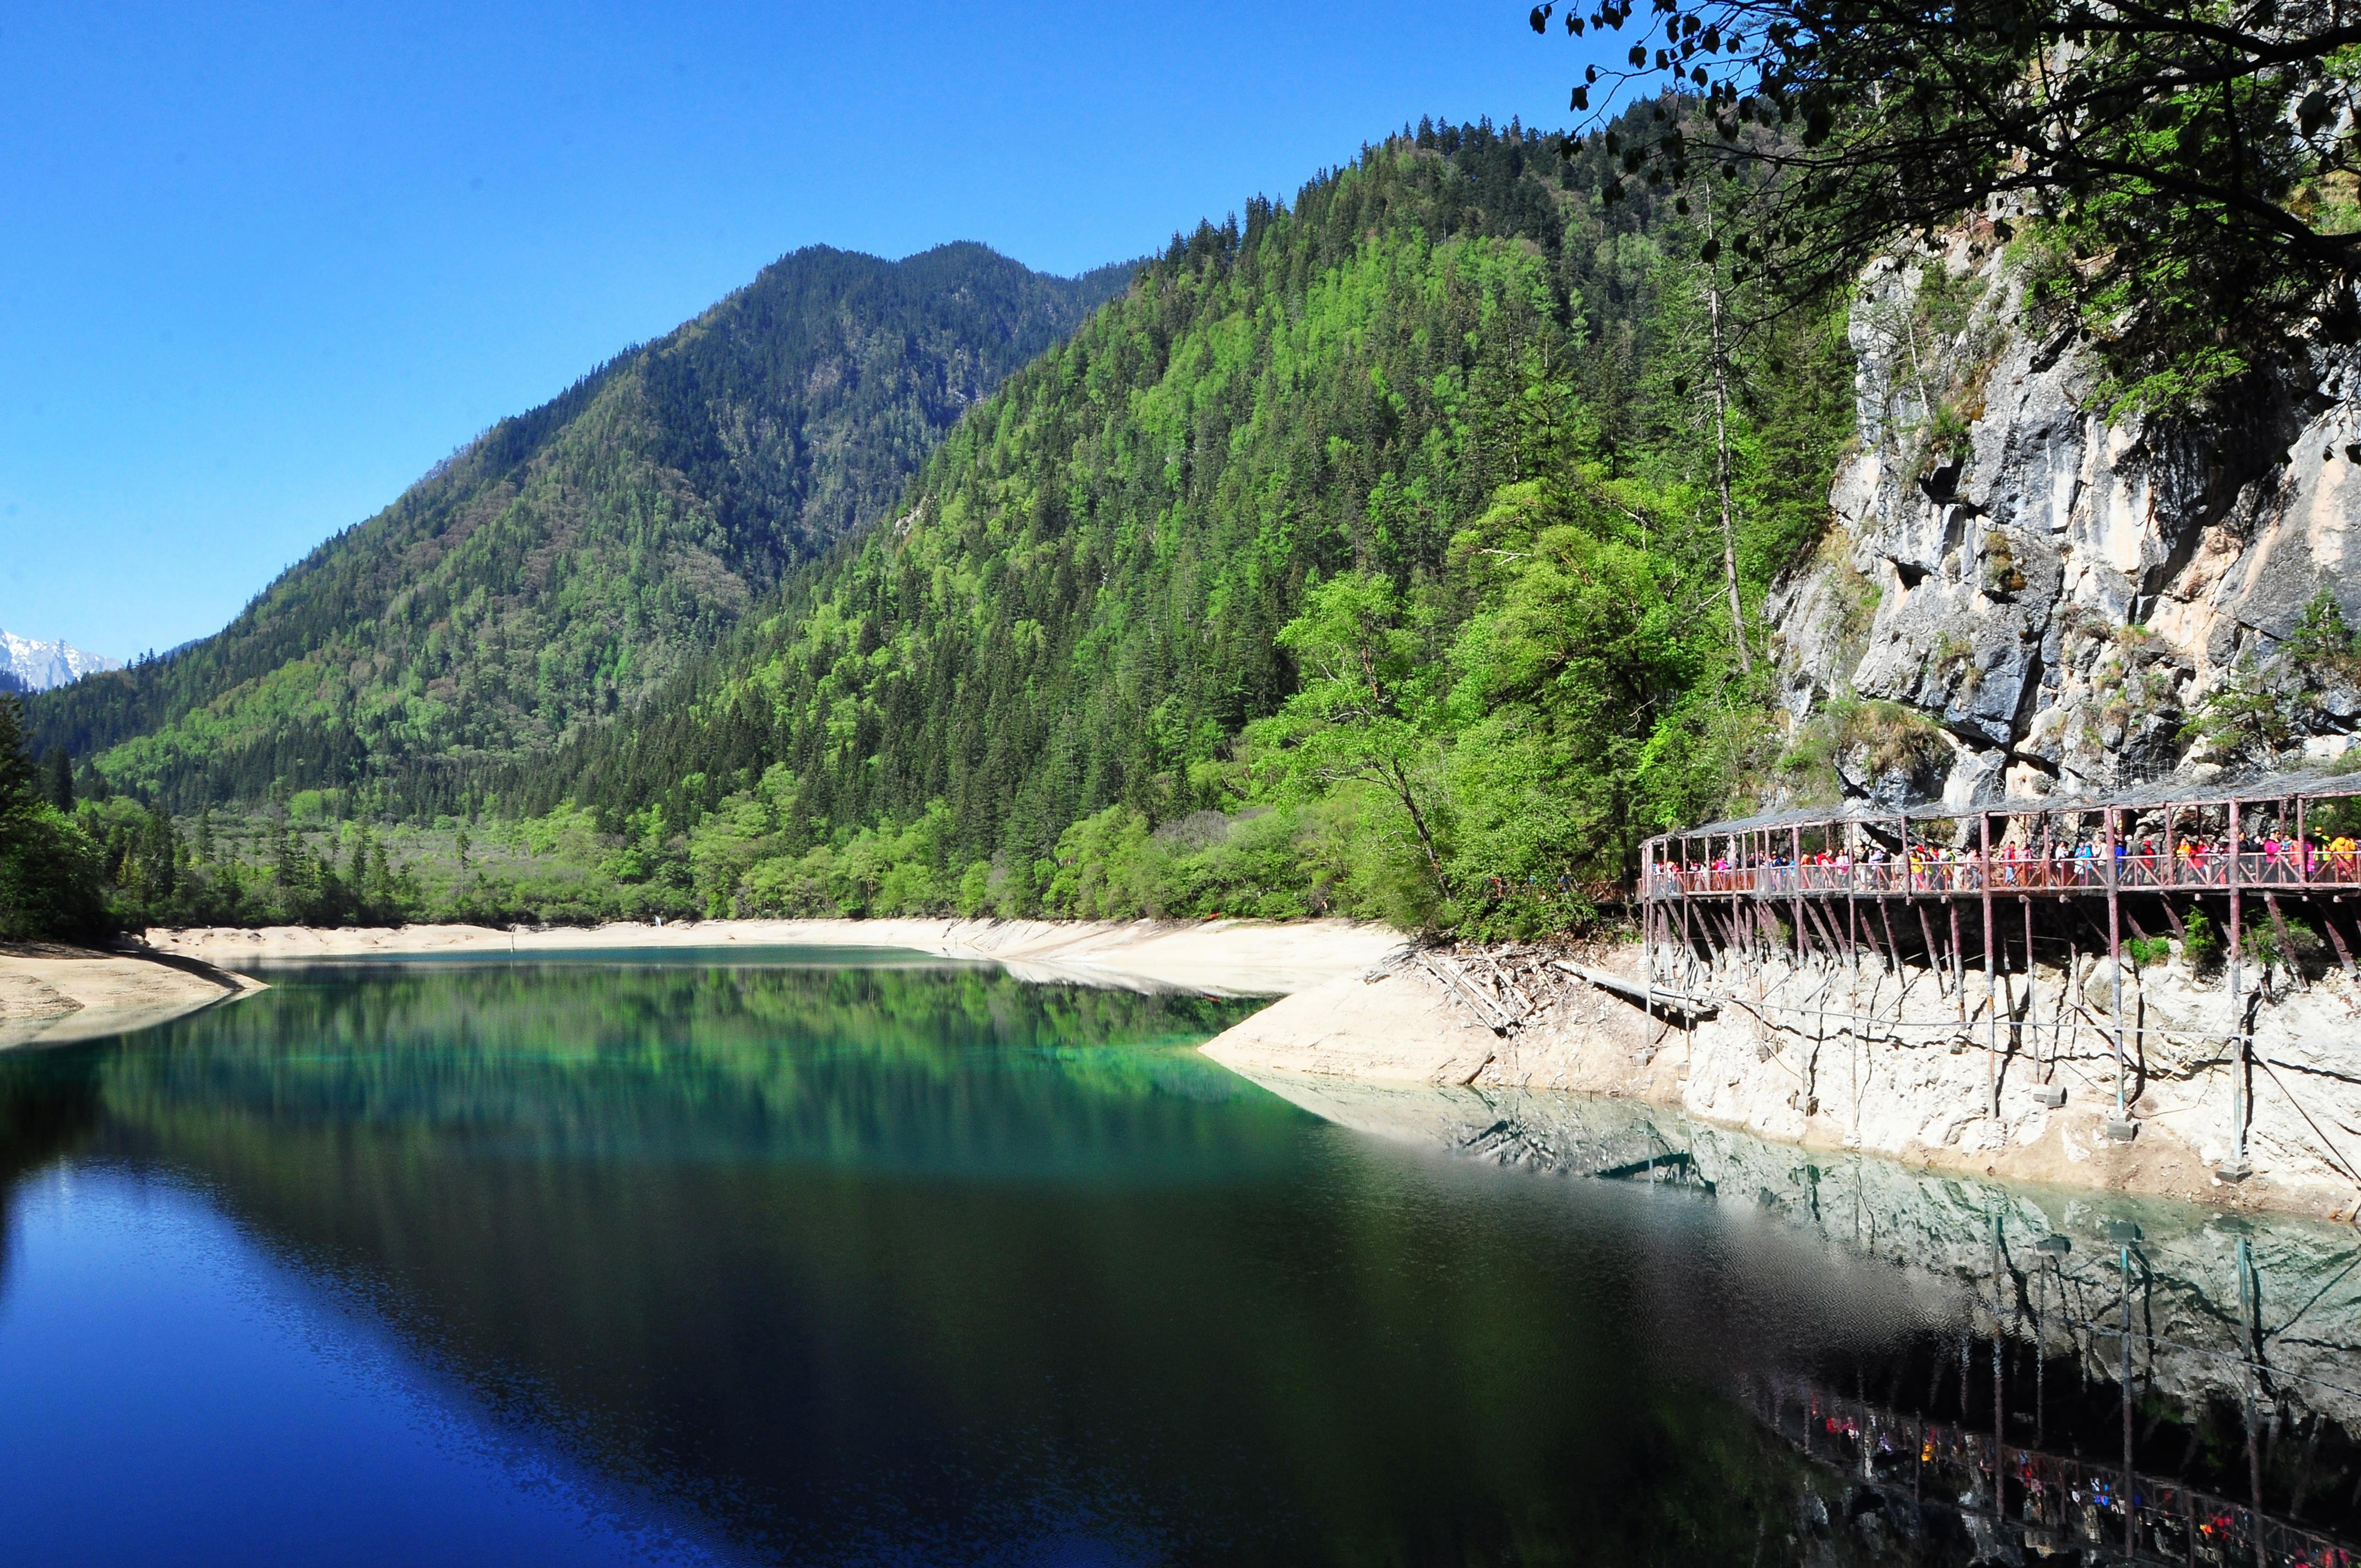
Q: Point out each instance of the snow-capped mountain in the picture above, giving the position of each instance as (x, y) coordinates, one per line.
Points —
(38, 667)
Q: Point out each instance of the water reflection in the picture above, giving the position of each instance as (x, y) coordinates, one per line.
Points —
(862, 1264)
(2201, 1365)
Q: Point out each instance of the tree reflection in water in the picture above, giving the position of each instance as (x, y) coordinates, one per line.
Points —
(926, 1264)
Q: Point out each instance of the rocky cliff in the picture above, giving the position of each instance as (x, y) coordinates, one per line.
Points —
(1896, 1060)
(2027, 590)
(2030, 589)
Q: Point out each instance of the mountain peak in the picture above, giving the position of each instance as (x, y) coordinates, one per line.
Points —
(552, 571)
(30, 665)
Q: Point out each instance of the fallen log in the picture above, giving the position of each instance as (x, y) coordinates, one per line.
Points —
(1452, 980)
(1672, 1005)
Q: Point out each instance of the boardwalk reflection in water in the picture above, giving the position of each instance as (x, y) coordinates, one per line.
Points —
(2203, 1366)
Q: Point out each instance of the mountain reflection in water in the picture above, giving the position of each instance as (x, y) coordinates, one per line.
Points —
(895, 1262)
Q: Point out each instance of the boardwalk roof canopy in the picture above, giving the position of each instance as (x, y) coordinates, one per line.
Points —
(2339, 780)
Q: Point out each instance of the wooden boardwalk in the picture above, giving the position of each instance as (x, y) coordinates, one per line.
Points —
(1825, 884)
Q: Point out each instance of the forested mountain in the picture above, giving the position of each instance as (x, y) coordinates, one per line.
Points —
(1365, 556)
(560, 567)
(1406, 550)
(1368, 556)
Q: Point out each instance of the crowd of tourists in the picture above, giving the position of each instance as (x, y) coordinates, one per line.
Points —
(2188, 862)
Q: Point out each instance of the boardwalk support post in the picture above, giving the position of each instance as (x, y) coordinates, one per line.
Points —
(2237, 1167)
(2032, 1010)
(1992, 972)
(2121, 1128)
(1796, 891)
(1648, 879)
(1958, 954)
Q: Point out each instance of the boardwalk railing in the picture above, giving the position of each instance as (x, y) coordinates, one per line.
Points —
(2289, 834)
(2053, 1502)
(1967, 871)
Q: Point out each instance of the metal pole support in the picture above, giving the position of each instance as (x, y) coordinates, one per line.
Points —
(2237, 1167)
(1991, 974)
(2122, 1128)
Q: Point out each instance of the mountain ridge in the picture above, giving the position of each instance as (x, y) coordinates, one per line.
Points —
(1078, 669)
(553, 569)
(32, 664)
(1373, 556)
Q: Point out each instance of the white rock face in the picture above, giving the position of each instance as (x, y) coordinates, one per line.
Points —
(1902, 1061)
(38, 665)
(2054, 590)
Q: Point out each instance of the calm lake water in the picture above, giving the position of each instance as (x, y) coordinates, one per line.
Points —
(838, 1258)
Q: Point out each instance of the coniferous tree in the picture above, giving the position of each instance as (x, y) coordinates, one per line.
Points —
(49, 870)
(57, 779)
(17, 773)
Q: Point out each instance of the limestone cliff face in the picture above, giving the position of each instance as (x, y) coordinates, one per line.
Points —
(1790, 1054)
(2047, 592)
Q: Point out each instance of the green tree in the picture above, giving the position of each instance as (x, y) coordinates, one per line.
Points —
(2194, 156)
(57, 779)
(50, 870)
(1367, 710)
(1560, 690)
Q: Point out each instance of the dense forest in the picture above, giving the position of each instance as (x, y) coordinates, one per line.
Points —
(50, 875)
(1366, 555)
(557, 569)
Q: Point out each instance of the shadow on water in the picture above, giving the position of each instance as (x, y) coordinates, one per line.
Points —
(916, 1264)
(2202, 1366)
(47, 1113)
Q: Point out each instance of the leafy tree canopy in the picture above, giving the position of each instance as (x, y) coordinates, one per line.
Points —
(2192, 160)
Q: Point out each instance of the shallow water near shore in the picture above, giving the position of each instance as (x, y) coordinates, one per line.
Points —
(845, 1257)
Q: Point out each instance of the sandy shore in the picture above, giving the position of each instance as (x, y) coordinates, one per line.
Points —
(1239, 958)
(52, 994)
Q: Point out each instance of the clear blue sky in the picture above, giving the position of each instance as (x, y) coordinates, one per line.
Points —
(262, 266)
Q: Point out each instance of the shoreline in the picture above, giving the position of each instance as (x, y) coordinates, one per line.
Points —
(1346, 1008)
(1228, 958)
(1935, 1225)
(52, 994)
(1920, 1099)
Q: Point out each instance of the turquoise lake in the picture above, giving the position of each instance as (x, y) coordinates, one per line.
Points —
(862, 1259)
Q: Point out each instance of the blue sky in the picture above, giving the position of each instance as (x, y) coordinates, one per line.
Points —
(262, 266)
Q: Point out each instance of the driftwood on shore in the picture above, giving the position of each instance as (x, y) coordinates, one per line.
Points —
(1506, 988)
